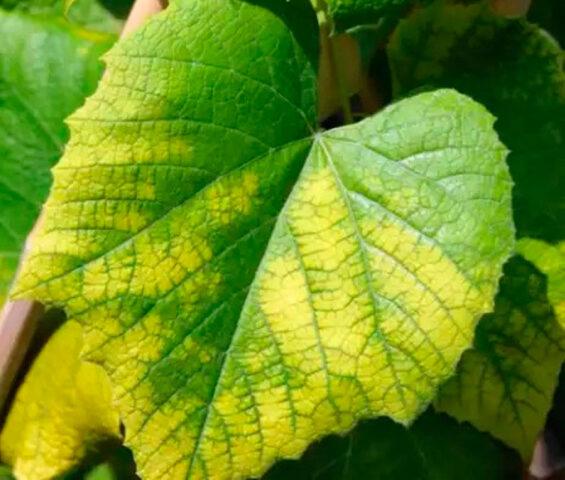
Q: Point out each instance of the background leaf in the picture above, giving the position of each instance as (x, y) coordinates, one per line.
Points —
(549, 259)
(516, 71)
(89, 14)
(62, 410)
(505, 384)
(436, 447)
(47, 68)
(5, 473)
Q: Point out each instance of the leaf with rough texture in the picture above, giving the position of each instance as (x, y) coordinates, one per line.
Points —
(239, 322)
(354, 13)
(435, 447)
(505, 384)
(86, 13)
(47, 68)
(62, 409)
(516, 70)
(549, 259)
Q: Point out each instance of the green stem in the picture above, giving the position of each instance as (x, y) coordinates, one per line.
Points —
(336, 65)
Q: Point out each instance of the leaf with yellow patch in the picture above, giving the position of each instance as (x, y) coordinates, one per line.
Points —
(549, 259)
(505, 384)
(249, 284)
(62, 409)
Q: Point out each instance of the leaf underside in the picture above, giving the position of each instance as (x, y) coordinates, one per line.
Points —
(251, 285)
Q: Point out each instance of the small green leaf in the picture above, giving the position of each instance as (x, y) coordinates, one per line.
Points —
(436, 447)
(549, 259)
(62, 409)
(47, 69)
(239, 322)
(516, 70)
(505, 384)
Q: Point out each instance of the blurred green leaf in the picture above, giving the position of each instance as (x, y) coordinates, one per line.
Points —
(47, 68)
(89, 14)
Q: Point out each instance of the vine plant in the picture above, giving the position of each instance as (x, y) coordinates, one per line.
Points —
(280, 227)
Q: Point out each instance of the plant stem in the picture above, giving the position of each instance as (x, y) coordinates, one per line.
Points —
(336, 65)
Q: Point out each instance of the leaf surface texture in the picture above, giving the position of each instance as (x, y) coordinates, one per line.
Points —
(251, 284)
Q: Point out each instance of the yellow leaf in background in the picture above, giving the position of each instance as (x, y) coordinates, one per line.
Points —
(62, 409)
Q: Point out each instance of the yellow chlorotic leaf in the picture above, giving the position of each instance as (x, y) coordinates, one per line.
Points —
(248, 283)
(62, 409)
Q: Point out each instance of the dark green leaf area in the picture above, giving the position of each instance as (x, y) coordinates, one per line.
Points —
(436, 447)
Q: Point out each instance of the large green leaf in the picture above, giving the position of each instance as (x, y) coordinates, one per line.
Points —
(505, 384)
(514, 69)
(62, 409)
(436, 447)
(46, 70)
(237, 322)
